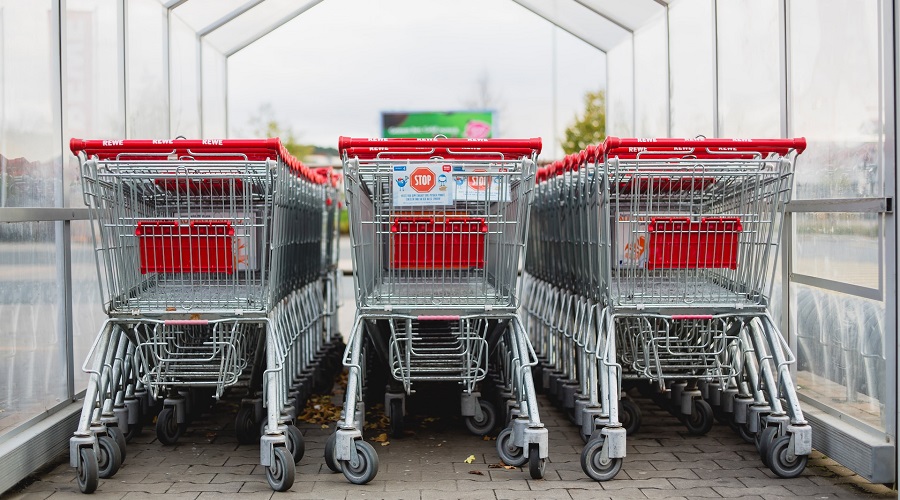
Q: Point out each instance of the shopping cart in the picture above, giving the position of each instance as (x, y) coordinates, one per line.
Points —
(679, 240)
(437, 230)
(209, 257)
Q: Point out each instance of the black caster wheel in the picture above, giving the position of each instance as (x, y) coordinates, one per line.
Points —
(781, 462)
(366, 464)
(630, 416)
(395, 415)
(701, 419)
(764, 440)
(245, 428)
(168, 430)
(487, 422)
(536, 464)
(88, 471)
(595, 465)
(110, 457)
(295, 442)
(280, 474)
(509, 452)
(118, 436)
(329, 454)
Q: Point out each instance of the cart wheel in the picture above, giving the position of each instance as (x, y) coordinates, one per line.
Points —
(721, 415)
(88, 473)
(329, 454)
(395, 414)
(246, 430)
(295, 442)
(366, 467)
(168, 430)
(764, 442)
(134, 430)
(744, 432)
(700, 421)
(110, 457)
(488, 420)
(630, 416)
(781, 463)
(594, 465)
(508, 451)
(280, 474)
(119, 437)
(536, 464)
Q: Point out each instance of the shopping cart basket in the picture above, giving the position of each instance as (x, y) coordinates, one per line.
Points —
(437, 230)
(209, 257)
(679, 239)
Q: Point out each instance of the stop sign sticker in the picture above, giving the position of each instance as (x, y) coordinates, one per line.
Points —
(422, 180)
(479, 182)
(422, 185)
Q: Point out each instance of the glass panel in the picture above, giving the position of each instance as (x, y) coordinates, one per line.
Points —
(198, 14)
(650, 80)
(838, 246)
(147, 70)
(95, 102)
(32, 352)
(749, 99)
(836, 96)
(841, 352)
(215, 69)
(184, 79)
(620, 90)
(691, 66)
(631, 14)
(29, 106)
(87, 310)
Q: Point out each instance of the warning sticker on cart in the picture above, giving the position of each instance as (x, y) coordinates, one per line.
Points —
(422, 185)
(472, 185)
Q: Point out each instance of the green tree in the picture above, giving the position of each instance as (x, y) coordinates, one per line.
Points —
(265, 125)
(590, 127)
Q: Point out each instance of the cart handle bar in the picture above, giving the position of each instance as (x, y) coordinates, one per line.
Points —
(616, 146)
(472, 145)
(460, 154)
(252, 149)
(672, 149)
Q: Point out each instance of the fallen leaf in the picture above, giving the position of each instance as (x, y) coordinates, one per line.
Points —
(440, 444)
(476, 472)
(486, 438)
(325, 426)
(501, 465)
(470, 459)
(381, 438)
(385, 443)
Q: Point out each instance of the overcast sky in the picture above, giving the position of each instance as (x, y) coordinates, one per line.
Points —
(334, 69)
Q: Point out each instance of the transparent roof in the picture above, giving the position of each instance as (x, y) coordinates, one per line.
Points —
(255, 23)
(199, 14)
(231, 25)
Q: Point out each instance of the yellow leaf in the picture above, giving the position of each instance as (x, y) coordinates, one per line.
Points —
(470, 459)
(324, 426)
(381, 438)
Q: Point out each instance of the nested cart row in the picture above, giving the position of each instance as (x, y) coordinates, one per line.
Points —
(216, 261)
(650, 265)
(438, 231)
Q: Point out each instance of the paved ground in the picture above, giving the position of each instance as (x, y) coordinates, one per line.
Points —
(429, 463)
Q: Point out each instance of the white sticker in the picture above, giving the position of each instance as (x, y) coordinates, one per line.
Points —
(488, 187)
(422, 185)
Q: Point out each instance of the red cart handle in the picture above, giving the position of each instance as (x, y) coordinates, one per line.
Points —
(629, 147)
(484, 145)
(143, 149)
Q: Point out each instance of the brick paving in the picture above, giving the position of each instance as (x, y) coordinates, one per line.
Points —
(663, 461)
